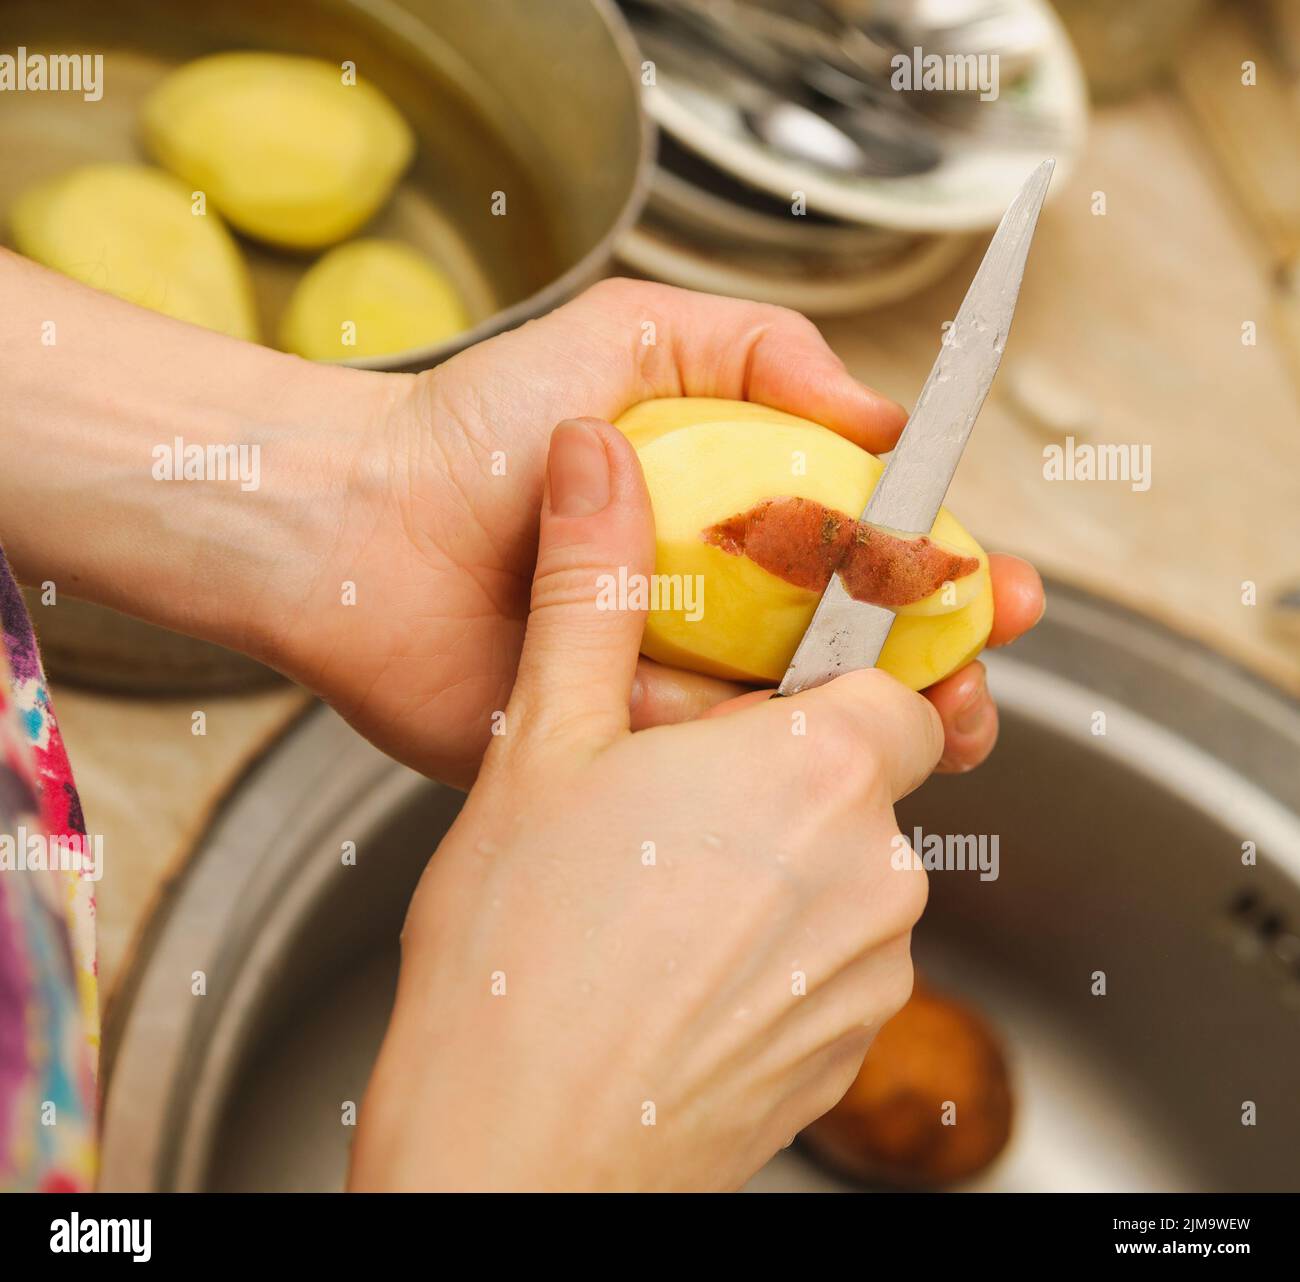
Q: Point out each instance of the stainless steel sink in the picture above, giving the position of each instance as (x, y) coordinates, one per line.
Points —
(1119, 853)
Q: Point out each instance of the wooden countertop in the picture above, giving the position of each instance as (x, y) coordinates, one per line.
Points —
(1129, 323)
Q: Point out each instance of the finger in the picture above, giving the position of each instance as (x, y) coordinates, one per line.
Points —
(866, 721)
(711, 346)
(595, 546)
(1018, 599)
(664, 696)
(969, 716)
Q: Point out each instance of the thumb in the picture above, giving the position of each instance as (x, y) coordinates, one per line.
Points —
(597, 541)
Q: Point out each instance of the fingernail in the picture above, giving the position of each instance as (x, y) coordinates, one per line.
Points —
(578, 470)
(972, 715)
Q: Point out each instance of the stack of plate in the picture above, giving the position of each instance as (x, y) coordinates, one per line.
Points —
(782, 179)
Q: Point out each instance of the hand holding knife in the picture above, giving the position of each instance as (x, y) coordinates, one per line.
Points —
(846, 634)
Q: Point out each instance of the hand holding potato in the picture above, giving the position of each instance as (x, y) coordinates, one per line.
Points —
(420, 491)
(441, 506)
(644, 961)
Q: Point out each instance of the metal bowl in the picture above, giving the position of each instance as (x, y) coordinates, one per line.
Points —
(1119, 853)
(540, 101)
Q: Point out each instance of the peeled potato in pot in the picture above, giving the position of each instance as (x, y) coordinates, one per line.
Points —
(371, 298)
(285, 147)
(936, 1061)
(132, 231)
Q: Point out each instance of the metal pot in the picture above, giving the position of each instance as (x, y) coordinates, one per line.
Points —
(542, 102)
(539, 101)
(1120, 853)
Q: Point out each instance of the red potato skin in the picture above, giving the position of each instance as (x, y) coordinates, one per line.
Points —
(804, 543)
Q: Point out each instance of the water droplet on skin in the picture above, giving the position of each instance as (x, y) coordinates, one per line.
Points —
(485, 847)
(741, 1013)
(713, 841)
(672, 965)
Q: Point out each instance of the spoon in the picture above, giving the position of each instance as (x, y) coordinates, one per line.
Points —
(784, 109)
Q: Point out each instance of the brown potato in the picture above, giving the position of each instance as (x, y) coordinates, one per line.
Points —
(936, 1058)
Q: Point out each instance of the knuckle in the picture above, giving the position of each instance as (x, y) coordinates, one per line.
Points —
(896, 992)
(932, 724)
(876, 688)
(837, 730)
(616, 289)
(545, 739)
(840, 1072)
(565, 581)
(887, 986)
(785, 319)
(909, 891)
(557, 727)
(842, 760)
(916, 712)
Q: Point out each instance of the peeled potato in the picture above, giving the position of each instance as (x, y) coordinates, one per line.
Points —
(132, 231)
(283, 146)
(383, 294)
(706, 462)
(936, 1061)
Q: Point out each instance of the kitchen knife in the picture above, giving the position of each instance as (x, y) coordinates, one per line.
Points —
(846, 634)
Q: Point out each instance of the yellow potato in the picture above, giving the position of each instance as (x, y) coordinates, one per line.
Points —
(643, 422)
(282, 146)
(382, 293)
(705, 461)
(132, 231)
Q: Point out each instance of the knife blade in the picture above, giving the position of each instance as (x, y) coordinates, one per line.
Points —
(846, 634)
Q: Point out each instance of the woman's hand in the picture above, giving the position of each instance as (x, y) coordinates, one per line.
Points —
(383, 552)
(437, 524)
(645, 961)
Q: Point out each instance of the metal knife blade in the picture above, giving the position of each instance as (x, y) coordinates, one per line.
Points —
(846, 634)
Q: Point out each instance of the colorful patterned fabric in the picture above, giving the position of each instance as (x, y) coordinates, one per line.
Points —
(49, 1025)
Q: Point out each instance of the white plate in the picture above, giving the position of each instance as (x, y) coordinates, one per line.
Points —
(711, 213)
(818, 285)
(969, 190)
